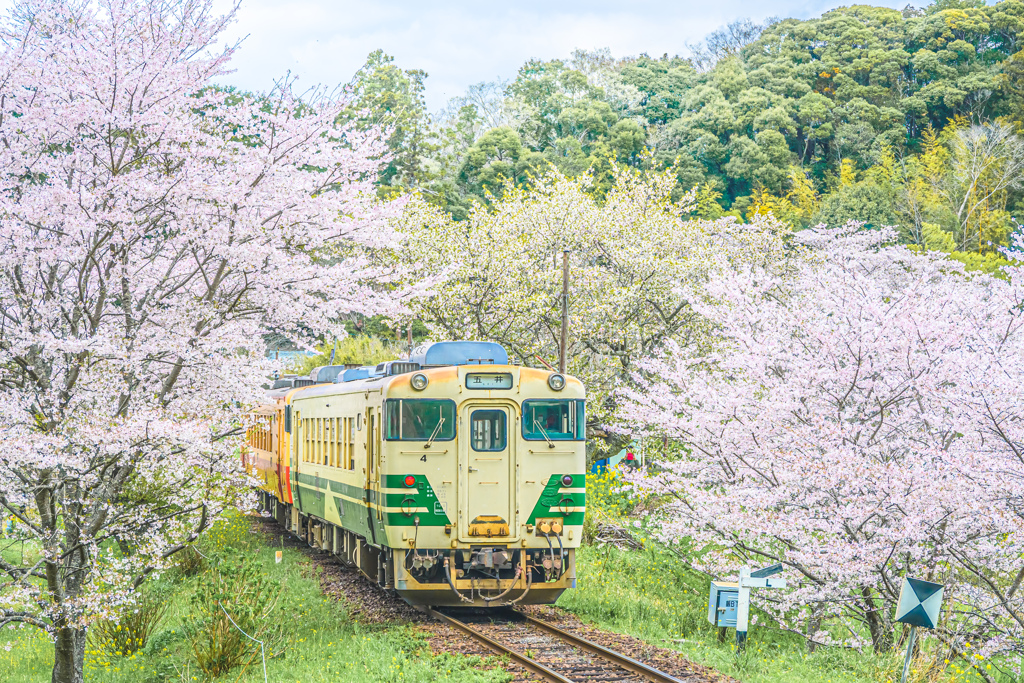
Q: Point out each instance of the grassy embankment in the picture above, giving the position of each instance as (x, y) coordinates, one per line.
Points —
(651, 595)
(648, 594)
(321, 643)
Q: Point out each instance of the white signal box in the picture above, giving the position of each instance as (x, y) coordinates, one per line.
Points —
(729, 602)
(723, 602)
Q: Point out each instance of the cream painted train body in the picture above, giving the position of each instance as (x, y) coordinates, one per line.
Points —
(453, 478)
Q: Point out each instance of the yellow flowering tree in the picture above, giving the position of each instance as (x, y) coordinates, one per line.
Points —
(629, 253)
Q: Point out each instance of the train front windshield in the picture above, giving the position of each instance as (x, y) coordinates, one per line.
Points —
(561, 420)
(420, 419)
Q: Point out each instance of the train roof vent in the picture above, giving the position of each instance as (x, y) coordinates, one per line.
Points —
(460, 353)
(352, 374)
(395, 367)
(303, 382)
(326, 373)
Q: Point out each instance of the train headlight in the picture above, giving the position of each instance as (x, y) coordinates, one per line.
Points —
(556, 382)
(419, 381)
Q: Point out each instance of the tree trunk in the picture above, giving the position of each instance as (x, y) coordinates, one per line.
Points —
(813, 625)
(878, 622)
(69, 656)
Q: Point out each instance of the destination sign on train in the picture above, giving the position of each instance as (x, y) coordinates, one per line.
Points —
(488, 380)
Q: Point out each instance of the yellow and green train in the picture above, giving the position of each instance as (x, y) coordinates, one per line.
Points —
(452, 478)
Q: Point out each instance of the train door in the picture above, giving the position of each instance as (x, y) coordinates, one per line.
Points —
(372, 493)
(289, 459)
(486, 472)
(270, 474)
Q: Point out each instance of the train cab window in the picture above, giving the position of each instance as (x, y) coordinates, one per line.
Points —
(489, 430)
(562, 420)
(420, 419)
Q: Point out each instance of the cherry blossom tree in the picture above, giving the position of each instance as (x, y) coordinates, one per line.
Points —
(153, 227)
(858, 419)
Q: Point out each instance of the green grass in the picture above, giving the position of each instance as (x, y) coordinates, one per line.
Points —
(321, 642)
(651, 595)
(648, 594)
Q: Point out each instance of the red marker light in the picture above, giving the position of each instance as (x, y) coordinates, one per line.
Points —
(410, 480)
(567, 480)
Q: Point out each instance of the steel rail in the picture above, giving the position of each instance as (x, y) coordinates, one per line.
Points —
(623, 661)
(500, 649)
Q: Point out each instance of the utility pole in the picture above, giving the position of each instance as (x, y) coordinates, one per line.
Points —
(410, 340)
(565, 311)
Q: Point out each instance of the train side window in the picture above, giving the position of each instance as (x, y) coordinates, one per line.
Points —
(351, 443)
(343, 443)
(335, 442)
(369, 440)
(323, 442)
(489, 430)
(331, 440)
(346, 448)
(346, 453)
(309, 440)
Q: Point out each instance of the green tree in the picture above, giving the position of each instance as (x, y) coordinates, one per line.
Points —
(388, 96)
(497, 158)
(864, 201)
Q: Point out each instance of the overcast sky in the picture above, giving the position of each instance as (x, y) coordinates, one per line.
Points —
(461, 43)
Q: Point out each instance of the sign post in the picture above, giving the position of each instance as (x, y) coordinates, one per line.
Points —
(729, 603)
(919, 605)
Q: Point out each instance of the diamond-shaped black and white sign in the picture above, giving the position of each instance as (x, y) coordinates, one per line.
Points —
(920, 602)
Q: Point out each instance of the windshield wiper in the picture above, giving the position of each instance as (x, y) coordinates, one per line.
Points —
(551, 444)
(434, 434)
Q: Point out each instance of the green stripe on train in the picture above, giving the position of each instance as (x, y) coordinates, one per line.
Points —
(554, 502)
(419, 495)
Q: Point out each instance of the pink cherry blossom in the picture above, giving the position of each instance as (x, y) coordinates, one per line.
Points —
(153, 228)
(859, 417)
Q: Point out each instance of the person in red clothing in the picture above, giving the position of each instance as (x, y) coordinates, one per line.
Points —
(631, 461)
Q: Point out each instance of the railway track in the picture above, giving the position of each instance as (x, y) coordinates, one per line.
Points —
(543, 650)
(547, 651)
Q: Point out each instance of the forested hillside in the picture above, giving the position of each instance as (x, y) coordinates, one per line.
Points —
(907, 118)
